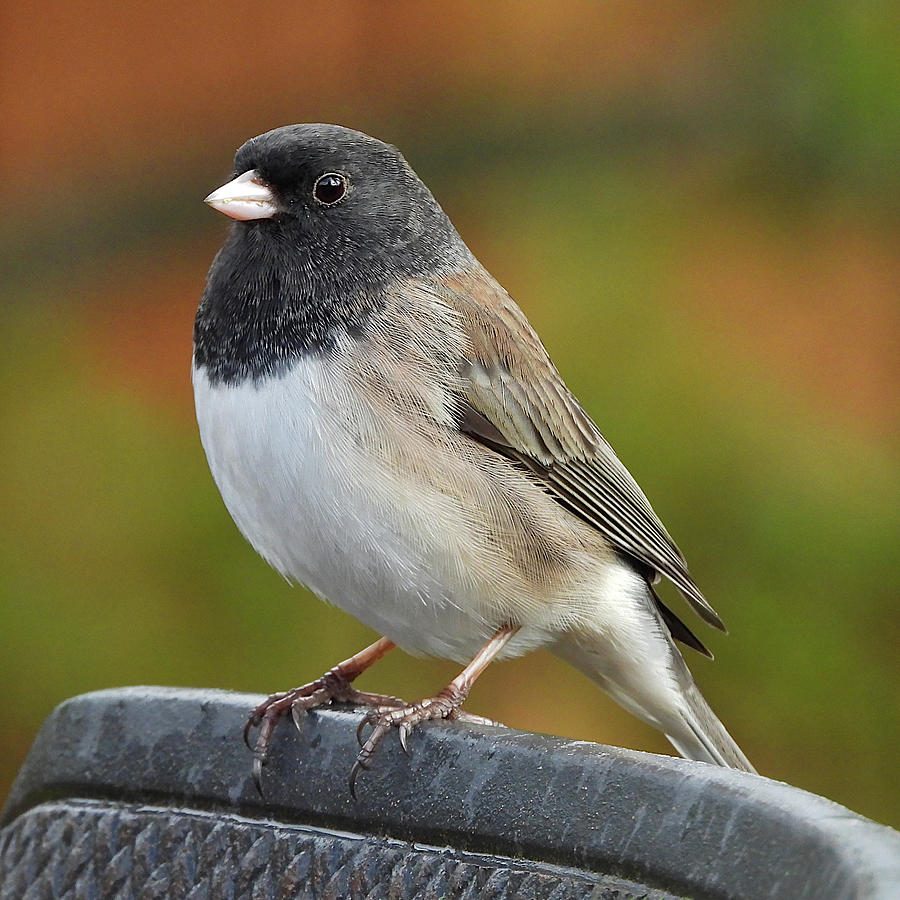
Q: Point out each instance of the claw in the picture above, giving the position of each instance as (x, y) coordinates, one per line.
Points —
(252, 722)
(355, 769)
(298, 714)
(258, 763)
(459, 715)
(403, 733)
(364, 722)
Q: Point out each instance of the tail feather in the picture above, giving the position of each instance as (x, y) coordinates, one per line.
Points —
(653, 682)
(704, 737)
(678, 629)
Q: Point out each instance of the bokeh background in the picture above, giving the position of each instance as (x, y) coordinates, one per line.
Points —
(698, 206)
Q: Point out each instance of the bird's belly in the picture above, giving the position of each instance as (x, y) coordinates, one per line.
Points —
(293, 463)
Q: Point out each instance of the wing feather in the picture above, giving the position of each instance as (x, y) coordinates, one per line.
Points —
(514, 400)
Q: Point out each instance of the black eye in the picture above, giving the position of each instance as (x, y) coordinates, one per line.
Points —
(330, 188)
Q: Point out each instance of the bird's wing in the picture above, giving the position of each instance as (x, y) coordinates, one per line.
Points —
(515, 401)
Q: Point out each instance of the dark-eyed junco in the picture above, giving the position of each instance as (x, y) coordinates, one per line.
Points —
(386, 428)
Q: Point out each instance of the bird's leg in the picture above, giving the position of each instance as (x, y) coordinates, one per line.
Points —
(334, 685)
(444, 705)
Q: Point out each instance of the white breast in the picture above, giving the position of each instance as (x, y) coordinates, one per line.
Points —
(293, 461)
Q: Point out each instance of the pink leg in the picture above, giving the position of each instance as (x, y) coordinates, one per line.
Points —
(334, 685)
(444, 705)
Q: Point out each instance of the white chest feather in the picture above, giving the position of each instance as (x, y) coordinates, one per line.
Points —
(301, 470)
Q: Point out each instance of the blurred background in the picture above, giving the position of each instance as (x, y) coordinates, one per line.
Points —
(697, 205)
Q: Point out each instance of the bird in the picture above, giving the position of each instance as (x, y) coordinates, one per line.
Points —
(386, 428)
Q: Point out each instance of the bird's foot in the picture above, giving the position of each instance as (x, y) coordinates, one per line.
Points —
(333, 687)
(381, 719)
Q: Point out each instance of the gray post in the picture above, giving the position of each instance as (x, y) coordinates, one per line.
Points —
(147, 792)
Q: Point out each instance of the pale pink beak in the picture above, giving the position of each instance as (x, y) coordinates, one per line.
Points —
(247, 197)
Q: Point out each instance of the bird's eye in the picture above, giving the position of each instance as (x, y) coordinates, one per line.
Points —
(330, 188)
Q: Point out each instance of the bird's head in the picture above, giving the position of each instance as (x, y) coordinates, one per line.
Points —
(338, 194)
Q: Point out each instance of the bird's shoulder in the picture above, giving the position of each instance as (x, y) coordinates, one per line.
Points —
(507, 374)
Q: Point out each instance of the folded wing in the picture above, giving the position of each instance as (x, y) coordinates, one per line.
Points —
(514, 400)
